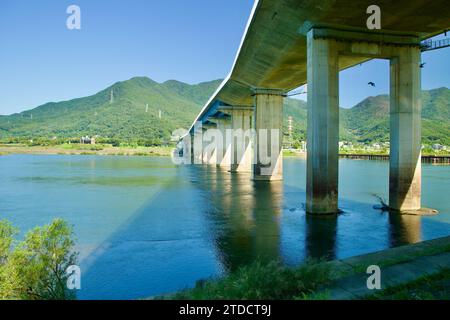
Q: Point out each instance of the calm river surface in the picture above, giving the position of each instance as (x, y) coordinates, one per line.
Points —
(145, 226)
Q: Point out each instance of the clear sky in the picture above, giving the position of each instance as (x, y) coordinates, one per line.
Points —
(188, 40)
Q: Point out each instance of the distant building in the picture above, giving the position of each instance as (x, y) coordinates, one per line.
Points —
(303, 145)
(87, 140)
(437, 146)
(345, 145)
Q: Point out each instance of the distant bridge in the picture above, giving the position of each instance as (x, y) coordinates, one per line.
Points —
(288, 43)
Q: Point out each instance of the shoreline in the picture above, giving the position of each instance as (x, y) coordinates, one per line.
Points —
(100, 150)
(441, 159)
(403, 268)
(108, 150)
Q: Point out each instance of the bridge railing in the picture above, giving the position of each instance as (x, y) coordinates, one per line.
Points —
(428, 45)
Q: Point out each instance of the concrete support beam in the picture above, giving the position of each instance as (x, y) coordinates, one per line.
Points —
(405, 128)
(268, 160)
(323, 126)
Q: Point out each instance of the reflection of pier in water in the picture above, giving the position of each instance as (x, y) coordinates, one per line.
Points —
(320, 238)
(245, 221)
(404, 229)
(248, 218)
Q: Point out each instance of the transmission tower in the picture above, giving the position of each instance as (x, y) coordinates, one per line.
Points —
(290, 130)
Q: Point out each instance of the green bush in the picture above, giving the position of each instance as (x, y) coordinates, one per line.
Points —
(35, 268)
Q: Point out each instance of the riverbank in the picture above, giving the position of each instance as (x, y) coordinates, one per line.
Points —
(107, 149)
(414, 271)
(403, 271)
(80, 149)
(441, 158)
(433, 159)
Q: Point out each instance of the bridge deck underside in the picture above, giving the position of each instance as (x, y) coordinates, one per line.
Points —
(273, 52)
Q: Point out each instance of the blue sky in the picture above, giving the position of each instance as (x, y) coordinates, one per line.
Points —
(188, 40)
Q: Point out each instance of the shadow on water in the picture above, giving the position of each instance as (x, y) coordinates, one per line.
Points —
(146, 227)
(210, 222)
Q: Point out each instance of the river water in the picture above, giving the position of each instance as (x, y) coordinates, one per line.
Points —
(144, 226)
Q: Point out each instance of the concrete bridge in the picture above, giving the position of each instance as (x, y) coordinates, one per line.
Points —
(288, 43)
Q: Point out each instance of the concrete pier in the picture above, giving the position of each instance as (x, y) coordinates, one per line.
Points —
(212, 143)
(323, 126)
(405, 139)
(224, 128)
(241, 138)
(325, 50)
(268, 160)
(197, 143)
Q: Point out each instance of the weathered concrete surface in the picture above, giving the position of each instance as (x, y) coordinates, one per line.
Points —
(323, 126)
(325, 49)
(355, 286)
(268, 164)
(405, 130)
(398, 266)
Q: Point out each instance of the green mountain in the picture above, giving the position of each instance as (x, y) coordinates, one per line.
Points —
(368, 121)
(130, 111)
(138, 109)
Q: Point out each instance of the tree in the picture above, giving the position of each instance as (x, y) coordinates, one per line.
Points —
(36, 267)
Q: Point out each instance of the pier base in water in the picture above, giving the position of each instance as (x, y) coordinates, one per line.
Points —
(416, 212)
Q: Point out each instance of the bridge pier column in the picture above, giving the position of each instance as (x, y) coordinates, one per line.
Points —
(241, 146)
(197, 143)
(324, 48)
(187, 149)
(323, 126)
(191, 148)
(224, 157)
(212, 143)
(203, 155)
(405, 123)
(268, 141)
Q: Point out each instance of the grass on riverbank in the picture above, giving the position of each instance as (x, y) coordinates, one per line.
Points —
(259, 280)
(293, 153)
(311, 280)
(86, 149)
